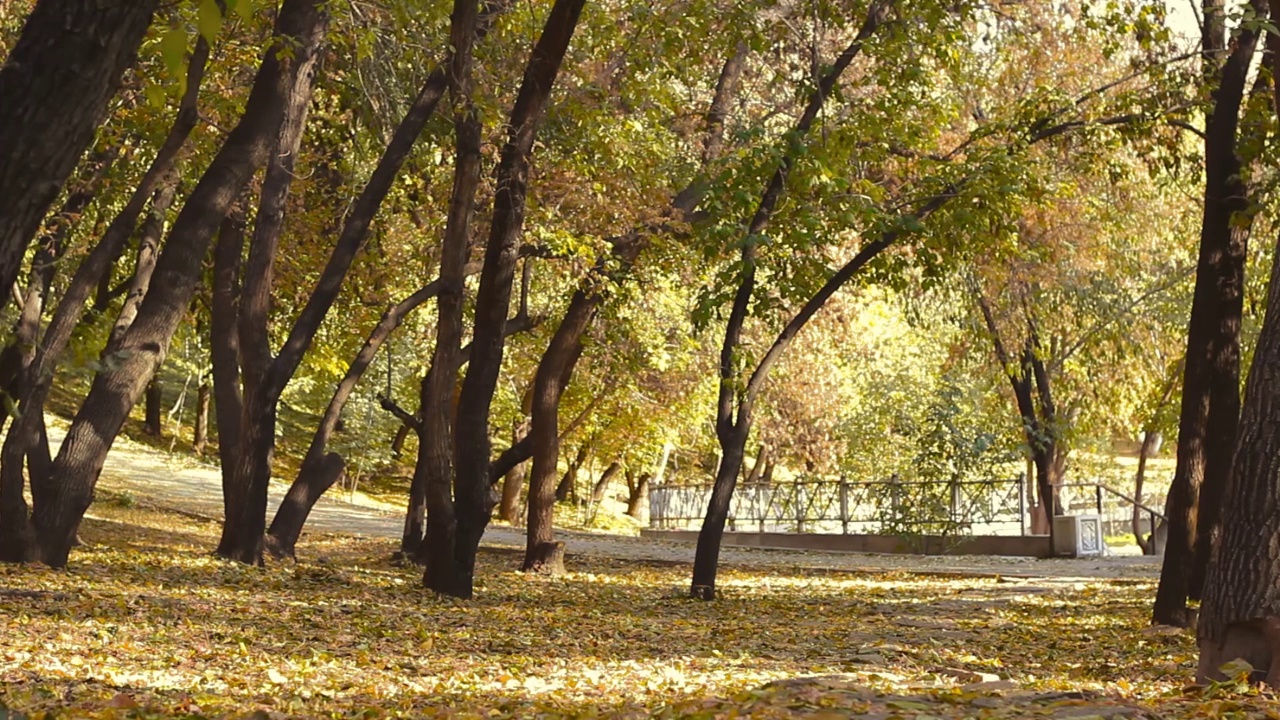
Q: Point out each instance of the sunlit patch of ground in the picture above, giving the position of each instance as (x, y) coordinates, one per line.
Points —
(146, 623)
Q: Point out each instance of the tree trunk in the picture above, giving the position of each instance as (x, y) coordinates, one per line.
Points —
(243, 528)
(224, 351)
(151, 416)
(1149, 441)
(472, 495)
(1210, 388)
(397, 442)
(20, 352)
(435, 449)
(1240, 615)
(568, 485)
(602, 485)
(706, 563)
(757, 470)
(116, 389)
(148, 249)
(638, 497)
(200, 438)
(513, 480)
(731, 431)
(54, 90)
(30, 440)
(555, 369)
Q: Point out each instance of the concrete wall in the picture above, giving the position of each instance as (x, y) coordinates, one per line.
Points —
(1009, 545)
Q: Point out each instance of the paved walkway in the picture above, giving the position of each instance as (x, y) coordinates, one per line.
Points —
(189, 485)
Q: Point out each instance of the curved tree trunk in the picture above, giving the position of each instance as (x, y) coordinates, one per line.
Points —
(54, 89)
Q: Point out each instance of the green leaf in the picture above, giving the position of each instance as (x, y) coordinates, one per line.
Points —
(209, 20)
(173, 49)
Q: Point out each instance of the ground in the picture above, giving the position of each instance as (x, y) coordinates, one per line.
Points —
(144, 623)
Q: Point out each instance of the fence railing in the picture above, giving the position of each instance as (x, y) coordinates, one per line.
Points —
(998, 507)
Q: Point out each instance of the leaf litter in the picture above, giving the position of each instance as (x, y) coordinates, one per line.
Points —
(145, 623)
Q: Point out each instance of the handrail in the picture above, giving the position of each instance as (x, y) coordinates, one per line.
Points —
(1117, 493)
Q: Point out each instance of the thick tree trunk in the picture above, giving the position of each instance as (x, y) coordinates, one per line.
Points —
(472, 490)
(1240, 615)
(30, 440)
(1210, 388)
(243, 528)
(435, 449)
(553, 373)
(116, 389)
(54, 90)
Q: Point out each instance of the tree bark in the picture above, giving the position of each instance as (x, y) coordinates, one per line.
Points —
(224, 350)
(472, 496)
(54, 89)
(116, 389)
(1211, 386)
(567, 487)
(244, 526)
(1240, 615)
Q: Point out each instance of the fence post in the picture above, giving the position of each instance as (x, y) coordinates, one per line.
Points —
(955, 503)
(1022, 503)
(798, 499)
(844, 506)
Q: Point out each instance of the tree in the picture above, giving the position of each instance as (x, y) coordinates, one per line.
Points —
(451, 564)
(1211, 378)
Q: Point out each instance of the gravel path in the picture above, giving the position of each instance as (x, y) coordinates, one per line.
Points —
(189, 485)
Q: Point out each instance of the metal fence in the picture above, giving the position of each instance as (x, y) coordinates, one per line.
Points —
(996, 507)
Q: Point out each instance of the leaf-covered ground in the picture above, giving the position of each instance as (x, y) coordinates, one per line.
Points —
(145, 623)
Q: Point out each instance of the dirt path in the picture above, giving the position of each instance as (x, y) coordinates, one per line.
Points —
(192, 486)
